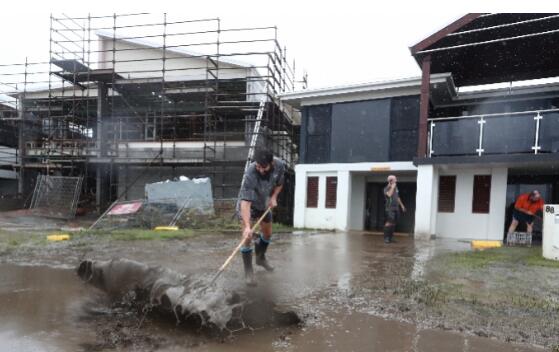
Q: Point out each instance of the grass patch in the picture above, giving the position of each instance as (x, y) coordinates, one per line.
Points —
(278, 227)
(138, 234)
(536, 259)
(476, 259)
(422, 292)
(12, 239)
(468, 278)
(14, 242)
(530, 256)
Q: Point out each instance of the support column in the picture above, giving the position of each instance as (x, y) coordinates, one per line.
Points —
(425, 200)
(300, 197)
(343, 200)
(101, 189)
(101, 114)
(424, 106)
(497, 204)
(98, 188)
(21, 148)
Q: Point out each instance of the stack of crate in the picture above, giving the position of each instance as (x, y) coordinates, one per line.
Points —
(519, 239)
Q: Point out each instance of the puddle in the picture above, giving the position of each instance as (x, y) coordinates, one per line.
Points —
(42, 308)
(333, 281)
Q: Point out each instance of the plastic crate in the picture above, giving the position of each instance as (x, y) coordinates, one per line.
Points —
(519, 239)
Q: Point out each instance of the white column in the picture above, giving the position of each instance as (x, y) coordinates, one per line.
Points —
(357, 208)
(343, 200)
(300, 197)
(434, 201)
(497, 204)
(425, 202)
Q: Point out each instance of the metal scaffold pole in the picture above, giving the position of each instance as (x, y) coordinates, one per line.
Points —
(118, 89)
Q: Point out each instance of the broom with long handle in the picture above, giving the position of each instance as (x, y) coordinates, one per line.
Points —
(222, 268)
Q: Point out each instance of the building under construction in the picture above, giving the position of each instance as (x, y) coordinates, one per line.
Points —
(125, 100)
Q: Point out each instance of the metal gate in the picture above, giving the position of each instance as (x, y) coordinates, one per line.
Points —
(56, 196)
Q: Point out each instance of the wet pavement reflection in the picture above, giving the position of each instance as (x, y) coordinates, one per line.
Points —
(326, 278)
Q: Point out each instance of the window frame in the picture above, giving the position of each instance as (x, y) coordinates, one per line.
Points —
(313, 191)
(440, 201)
(484, 208)
(331, 196)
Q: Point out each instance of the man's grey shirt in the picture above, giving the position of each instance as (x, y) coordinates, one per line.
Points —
(257, 189)
(391, 203)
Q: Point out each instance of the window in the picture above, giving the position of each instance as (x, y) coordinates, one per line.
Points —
(447, 193)
(404, 120)
(482, 192)
(331, 191)
(360, 131)
(150, 129)
(312, 192)
(318, 124)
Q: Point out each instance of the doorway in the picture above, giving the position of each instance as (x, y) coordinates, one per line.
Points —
(517, 184)
(374, 206)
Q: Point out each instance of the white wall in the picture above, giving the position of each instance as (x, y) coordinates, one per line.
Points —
(427, 176)
(462, 223)
(177, 64)
(343, 200)
(135, 61)
(320, 217)
(357, 206)
(350, 208)
(350, 204)
(300, 198)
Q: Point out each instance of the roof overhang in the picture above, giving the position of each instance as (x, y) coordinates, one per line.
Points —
(441, 83)
(490, 48)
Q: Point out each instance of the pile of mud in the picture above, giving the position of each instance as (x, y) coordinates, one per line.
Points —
(185, 297)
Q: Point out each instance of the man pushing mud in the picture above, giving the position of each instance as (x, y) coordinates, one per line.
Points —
(262, 183)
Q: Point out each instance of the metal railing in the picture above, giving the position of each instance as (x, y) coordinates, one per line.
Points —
(522, 132)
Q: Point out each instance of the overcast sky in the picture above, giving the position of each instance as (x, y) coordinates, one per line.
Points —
(337, 42)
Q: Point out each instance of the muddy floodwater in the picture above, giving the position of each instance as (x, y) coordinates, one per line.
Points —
(341, 285)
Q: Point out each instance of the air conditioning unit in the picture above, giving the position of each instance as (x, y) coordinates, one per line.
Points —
(550, 234)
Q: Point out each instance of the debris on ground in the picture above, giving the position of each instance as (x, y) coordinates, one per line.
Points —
(186, 298)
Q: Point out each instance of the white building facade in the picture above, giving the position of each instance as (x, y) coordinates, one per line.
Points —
(465, 139)
(466, 198)
(340, 177)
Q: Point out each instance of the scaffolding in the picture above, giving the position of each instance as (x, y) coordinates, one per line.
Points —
(130, 97)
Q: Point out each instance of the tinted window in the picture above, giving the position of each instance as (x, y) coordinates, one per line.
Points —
(456, 137)
(404, 121)
(360, 131)
(509, 134)
(318, 124)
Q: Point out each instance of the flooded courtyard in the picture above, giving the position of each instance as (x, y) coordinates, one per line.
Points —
(350, 290)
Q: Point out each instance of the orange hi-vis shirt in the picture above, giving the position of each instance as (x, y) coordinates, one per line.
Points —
(523, 202)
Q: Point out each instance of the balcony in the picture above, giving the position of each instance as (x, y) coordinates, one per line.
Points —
(526, 132)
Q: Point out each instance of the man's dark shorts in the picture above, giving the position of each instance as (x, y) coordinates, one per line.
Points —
(392, 215)
(256, 214)
(522, 217)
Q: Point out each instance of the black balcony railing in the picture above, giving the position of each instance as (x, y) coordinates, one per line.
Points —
(508, 133)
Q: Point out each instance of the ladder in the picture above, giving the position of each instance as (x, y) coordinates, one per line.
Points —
(253, 141)
(255, 133)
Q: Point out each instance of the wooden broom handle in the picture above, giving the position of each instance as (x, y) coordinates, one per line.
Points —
(239, 247)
